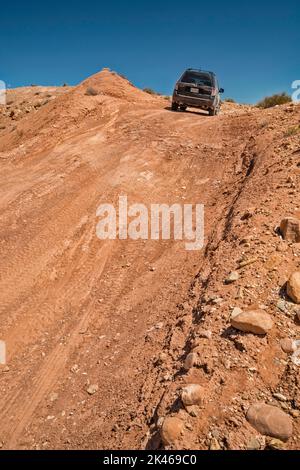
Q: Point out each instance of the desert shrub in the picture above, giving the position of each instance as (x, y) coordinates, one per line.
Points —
(264, 123)
(65, 84)
(90, 91)
(292, 131)
(151, 92)
(229, 100)
(271, 101)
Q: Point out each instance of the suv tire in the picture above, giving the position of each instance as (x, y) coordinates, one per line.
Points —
(174, 106)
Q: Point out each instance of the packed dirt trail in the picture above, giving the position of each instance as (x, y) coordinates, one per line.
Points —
(97, 332)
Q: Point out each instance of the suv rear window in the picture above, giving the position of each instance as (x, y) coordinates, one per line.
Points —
(197, 78)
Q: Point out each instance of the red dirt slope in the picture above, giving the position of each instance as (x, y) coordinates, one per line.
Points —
(97, 332)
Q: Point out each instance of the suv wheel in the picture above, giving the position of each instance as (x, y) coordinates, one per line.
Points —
(174, 106)
(213, 111)
(183, 107)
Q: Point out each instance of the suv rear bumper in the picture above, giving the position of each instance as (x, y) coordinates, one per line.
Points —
(204, 102)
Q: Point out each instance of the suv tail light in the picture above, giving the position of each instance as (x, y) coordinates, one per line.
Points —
(213, 92)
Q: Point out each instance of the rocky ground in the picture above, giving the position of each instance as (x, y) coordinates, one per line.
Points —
(135, 344)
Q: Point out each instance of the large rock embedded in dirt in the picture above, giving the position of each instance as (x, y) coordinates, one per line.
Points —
(293, 287)
(288, 345)
(191, 361)
(290, 229)
(270, 421)
(171, 430)
(254, 321)
(192, 395)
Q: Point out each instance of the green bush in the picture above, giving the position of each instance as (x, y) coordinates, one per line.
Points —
(271, 101)
(229, 100)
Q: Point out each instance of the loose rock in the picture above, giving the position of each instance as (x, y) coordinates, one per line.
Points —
(289, 346)
(296, 358)
(193, 410)
(270, 421)
(280, 397)
(293, 287)
(276, 444)
(53, 396)
(233, 277)
(290, 229)
(254, 321)
(171, 430)
(245, 263)
(207, 334)
(214, 445)
(92, 389)
(253, 444)
(192, 395)
(281, 305)
(191, 361)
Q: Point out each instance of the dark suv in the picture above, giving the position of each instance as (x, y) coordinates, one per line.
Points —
(197, 89)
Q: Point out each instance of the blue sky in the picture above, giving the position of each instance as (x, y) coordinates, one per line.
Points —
(254, 47)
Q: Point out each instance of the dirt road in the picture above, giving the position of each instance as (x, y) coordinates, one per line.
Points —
(78, 312)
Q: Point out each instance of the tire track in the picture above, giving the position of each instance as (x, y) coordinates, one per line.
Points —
(46, 377)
